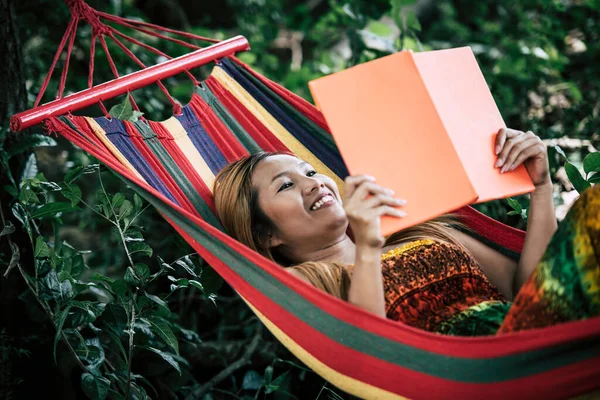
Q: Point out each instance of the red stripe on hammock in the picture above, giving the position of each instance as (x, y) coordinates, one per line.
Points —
(261, 135)
(153, 162)
(221, 136)
(183, 163)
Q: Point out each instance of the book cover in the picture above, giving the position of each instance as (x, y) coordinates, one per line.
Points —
(423, 125)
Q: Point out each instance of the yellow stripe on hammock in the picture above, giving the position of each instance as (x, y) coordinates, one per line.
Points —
(344, 382)
(184, 143)
(293, 144)
(101, 134)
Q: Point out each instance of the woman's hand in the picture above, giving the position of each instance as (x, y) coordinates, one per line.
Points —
(365, 202)
(515, 148)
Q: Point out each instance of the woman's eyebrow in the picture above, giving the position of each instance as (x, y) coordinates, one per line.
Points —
(286, 171)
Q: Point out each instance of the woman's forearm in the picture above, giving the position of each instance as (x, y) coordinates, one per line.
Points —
(366, 287)
(541, 225)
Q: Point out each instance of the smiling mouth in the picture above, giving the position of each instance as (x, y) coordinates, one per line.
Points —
(323, 201)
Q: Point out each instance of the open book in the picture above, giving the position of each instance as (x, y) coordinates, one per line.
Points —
(424, 125)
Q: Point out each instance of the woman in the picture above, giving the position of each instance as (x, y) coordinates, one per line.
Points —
(432, 276)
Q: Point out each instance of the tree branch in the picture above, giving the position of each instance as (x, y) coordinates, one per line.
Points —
(244, 360)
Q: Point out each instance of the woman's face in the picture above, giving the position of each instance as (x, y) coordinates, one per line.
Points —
(304, 206)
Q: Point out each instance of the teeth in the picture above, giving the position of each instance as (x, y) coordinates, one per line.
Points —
(323, 200)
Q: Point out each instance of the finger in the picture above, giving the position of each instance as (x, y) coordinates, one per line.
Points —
(516, 150)
(386, 210)
(352, 182)
(380, 199)
(367, 188)
(500, 139)
(530, 151)
(506, 149)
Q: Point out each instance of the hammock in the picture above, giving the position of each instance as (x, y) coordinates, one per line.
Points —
(236, 111)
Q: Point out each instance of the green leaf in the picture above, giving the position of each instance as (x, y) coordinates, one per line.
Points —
(94, 386)
(595, 178)
(165, 356)
(126, 209)
(157, 300)
(273, 386)
(575, 177)
(117, 200)
(28, 142)
(515, 205)
(513, 213)
(188, 265)
(591, 163)
(197, 285)
(140, 247)
(137, 202)
(560, 151)
(31, 168)
(41, 248)
(28, 196)
(77, 172)
(142, 271)
(252, 380)
(50, 186)
(52, 209)
(123, 110)
(135, 115)
(131, 278)
(72, 192)
(163, 329)
(412, 22)
(379, 28)
(60, 322)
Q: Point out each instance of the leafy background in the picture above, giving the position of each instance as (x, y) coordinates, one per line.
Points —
(100, 297)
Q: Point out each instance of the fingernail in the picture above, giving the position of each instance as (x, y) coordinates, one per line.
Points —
(503, 170)
(371, 178)
(402, 202)
(402, 213)
(498, 163)
(512, 168)
(497, 150)
(390, 191)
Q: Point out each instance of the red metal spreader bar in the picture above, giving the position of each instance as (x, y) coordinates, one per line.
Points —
(124, 84)
(82, 12)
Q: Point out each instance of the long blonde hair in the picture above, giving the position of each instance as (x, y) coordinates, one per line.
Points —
(236, 204)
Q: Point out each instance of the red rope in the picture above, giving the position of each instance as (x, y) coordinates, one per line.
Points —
(113, 68)
(151, 33)
(153, 50)
(157, 27)
(65, 70)
(174, 103)
(82, 11)
(61, 46)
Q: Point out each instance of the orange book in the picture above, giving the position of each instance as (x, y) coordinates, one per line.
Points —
(424, 125)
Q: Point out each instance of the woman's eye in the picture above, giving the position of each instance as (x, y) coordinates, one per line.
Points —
(285, 186)
(311, 173)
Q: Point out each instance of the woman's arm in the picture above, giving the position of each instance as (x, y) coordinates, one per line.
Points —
(541, 225)
(366, 286)
(364, 204)
(514, 148)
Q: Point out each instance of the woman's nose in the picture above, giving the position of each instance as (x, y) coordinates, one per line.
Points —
(312, 185)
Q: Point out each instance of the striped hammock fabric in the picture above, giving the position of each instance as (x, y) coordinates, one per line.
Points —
(235, 112)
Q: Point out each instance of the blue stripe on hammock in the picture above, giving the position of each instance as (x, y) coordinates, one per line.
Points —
(116, 133)
(334, 162)
(209, 151)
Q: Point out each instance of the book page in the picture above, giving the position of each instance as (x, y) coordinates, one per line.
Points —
(386, 125)
(471, 118)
